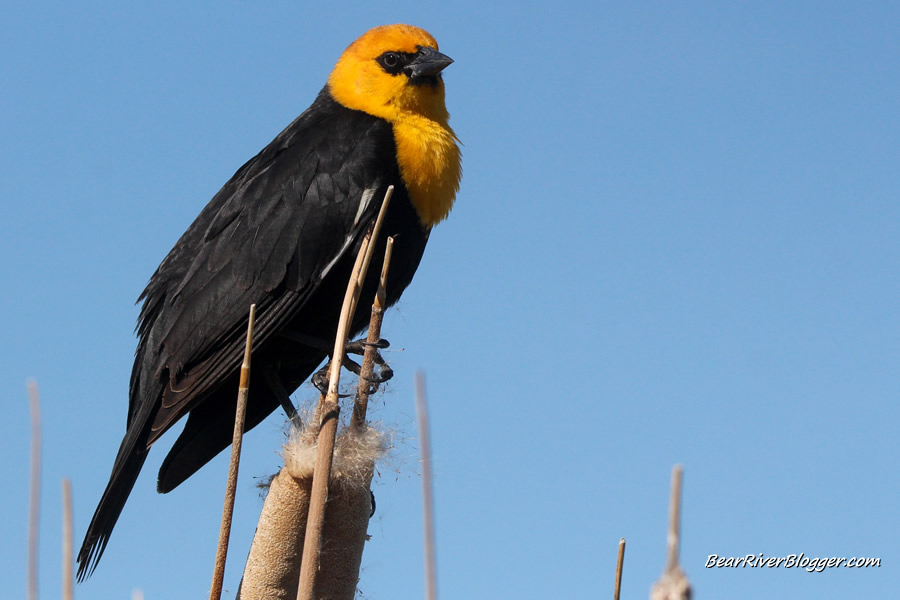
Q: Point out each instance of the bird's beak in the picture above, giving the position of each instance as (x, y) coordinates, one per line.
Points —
(428, 63)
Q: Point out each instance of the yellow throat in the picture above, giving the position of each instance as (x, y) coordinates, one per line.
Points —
(427, 151)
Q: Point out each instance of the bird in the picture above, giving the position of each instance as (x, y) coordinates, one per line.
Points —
(283, 234)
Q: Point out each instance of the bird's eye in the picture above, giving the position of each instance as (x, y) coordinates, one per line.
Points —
(393, 62)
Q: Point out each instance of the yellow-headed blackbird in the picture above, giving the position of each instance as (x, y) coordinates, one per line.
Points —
(283, 233)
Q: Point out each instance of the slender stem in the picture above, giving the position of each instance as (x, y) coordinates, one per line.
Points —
(376, 229)
(427, 488)
(674, 519)
(34, 504)
(367, 371)
(215, 591)
(327, 415)
(673, 584)
(381, 293)
(619, 563)
(68, 589)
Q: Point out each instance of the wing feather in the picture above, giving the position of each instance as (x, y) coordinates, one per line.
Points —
(266, 238)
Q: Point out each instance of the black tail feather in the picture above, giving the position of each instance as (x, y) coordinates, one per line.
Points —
(125, 472)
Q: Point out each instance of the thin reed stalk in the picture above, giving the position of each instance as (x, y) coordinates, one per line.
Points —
(427, 488)
(215, 592)
(328, 412)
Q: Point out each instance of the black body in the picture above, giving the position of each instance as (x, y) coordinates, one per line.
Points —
(283, 233)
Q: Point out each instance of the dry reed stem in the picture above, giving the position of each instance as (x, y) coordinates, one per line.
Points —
(68, 587)
(327, 414)
(381, 292)
(328, 411)
(673, 584)
(283, 522)
(215, 591)
(674, 519)
(619, 563)
(367, 371)
(34, 501)
(376, 229)
(427, 488)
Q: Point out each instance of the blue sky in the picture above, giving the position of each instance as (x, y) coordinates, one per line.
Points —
(676, 241)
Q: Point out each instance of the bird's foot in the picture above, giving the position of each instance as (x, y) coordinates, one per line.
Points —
(382, 374)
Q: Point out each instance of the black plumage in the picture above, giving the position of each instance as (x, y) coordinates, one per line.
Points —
(282, 233)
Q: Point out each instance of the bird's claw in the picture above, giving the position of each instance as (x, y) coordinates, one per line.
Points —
(358, 347)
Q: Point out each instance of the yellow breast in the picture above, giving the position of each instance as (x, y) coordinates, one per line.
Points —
(430, 164)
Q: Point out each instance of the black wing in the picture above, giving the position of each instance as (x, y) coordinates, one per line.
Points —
(270, 236)
(267, 238)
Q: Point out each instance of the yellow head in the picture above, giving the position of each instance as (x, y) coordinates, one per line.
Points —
(392, 70)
